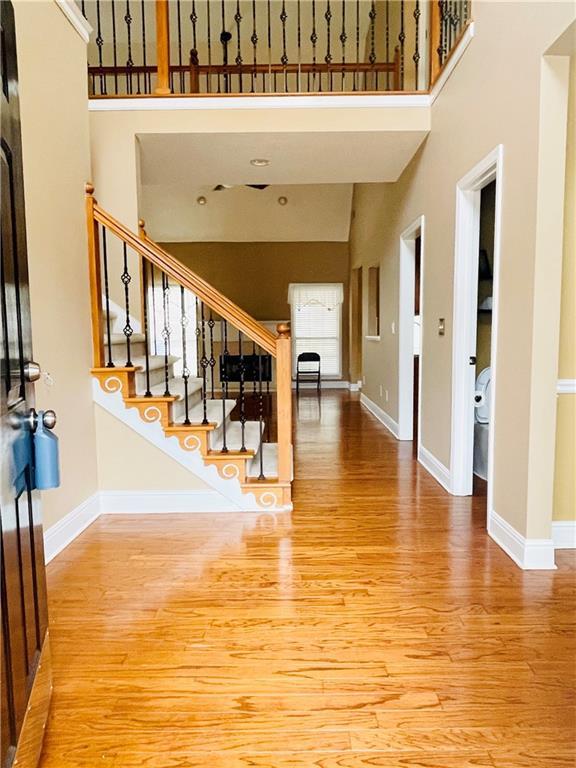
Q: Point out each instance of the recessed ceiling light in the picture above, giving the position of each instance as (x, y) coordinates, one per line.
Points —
(282, 200)
(201, 200)
(260, 162)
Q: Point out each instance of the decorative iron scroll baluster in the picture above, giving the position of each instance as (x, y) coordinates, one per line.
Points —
(185, 370)
(212, 360)
(270, 86)
(313, 40)
(100, 44)
(153, 287)
(209, 35)
(238, 60)
(179, 36)
(260, 416)
(125, 277)
(441, 50)
(114, 46)
(402, 39)
(242, 373)
(129, 60)
(204, 362)
(254, 41)
(284, 57)
(148, 392)
(224, 379)
(372, 56)
(194, 85)
(166, 333)
(253, 377)
(343, 38)
(416, 56)
(110, 363)
(299, 35)
(355, 81)
(328, 57)
(224, 39)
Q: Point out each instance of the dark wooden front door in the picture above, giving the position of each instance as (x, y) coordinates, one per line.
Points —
(23, 587)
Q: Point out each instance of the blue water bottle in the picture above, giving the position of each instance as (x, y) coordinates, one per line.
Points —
(46, 454)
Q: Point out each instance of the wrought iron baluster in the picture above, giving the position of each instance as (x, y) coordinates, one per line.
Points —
(148, 392)
(238, 60)
(254, 41)
(343, 38)
(270, 86)
(284, 57)
(372, 55)
(166, 333)
(212, 359)
(328, 57)
(299, 43)
(313, 40)
(387, 42)
(260, 416)
(114, 46)
(224, 39)
(242, 401)
(441, 50)
(126, 279)
(209, 36)
(254, 360)
(194, 51)
(185, 371)
(179, 39)
(110, 363)
(154, 310)
(224, 379)
(416, 56)
(204, 362)
(355, 82)
(100, 45)
(129, 60)
(402, 39)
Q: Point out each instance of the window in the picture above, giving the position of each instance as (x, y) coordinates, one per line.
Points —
(317, 323)
(373, 329)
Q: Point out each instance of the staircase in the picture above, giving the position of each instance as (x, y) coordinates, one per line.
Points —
(189, 370)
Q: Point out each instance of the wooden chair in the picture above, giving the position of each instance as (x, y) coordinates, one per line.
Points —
(307, 357)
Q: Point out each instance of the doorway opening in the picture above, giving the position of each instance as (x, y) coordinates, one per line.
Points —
(474, 353)
(410, 332)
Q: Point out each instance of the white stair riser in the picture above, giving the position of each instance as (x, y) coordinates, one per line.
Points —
(156, 377)
(119, 350)
(179, 406)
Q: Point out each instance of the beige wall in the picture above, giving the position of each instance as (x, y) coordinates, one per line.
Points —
(565, 474)
(256, 276)
(474, 113)
(56, 165)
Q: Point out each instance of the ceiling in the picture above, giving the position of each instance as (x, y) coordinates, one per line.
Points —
(314, 170)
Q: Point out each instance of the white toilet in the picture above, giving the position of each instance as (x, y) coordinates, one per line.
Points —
(482, 407)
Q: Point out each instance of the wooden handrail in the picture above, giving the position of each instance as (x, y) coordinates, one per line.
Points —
(156, 255)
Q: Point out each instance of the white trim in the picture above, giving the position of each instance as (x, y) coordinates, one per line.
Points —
(372, 338)
(62, 533)
(564, 534)
(163, 502)
(372, 101)
(356, 386)
(75, 17)
(464, 320)
(435, 467)
(529, 554)
(381, 415)
(455, 57)
(566, 387)
(406, 330)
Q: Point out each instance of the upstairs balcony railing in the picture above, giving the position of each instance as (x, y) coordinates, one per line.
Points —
(191, 47)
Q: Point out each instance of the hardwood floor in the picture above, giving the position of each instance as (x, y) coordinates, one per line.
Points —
(376, 626)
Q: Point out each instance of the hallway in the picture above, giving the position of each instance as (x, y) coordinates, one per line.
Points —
(377, 625)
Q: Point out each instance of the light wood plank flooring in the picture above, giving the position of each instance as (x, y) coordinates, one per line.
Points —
(376, 626)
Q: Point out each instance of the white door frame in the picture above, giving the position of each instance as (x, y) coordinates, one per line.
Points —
(406, 329)
(466, 256)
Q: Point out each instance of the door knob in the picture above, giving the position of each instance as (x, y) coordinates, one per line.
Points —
(32, 371)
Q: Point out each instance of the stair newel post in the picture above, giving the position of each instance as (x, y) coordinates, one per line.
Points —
(284, 402)
(435, 35)
(162, 48)
(95, 279)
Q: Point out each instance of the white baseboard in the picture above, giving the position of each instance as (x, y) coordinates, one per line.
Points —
(356, 386)
(564, 534)
(529, 554)
(163, 502)
(439, 471)
(70, 526)
(324, 384)
(381, 415)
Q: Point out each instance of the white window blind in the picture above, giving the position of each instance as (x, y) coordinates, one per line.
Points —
(317, 324)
